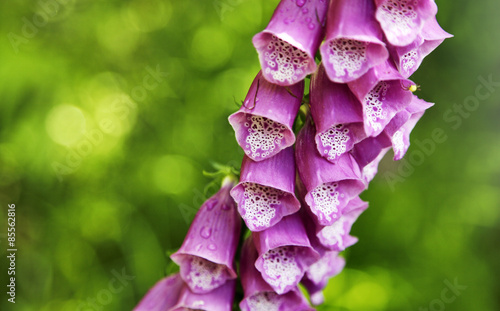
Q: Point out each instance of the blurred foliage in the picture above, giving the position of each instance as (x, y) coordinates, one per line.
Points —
(111, 110)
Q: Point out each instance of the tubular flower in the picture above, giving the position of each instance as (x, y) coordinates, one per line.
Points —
(219, 299)
(337, 115)
(265, 193)
(402, 20)
(353, 42)
(336, 236)
(316, 278)
(163, 295)
(263, 125)
(206, 258)
(329, 186)
(259, 296)
(408, 58)
(285, 253)
(382, 93)
(369, 153)
(400, 127)
(289, 43)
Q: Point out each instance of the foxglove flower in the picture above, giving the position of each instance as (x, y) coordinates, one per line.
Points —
(402, 20)
(289, 43)
(408, 58)
(263, 125)
(329, 186)
(368, 153)
(316, 278)
(337, 115)
(402, 124)
(259, 296)
(353, 42)
(336, 236)
(206, 258)
(219, 299)
(285, 253)
(382, 93)
(163, 295)
(266, 191)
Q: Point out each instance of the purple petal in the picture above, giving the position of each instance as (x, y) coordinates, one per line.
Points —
(219, 299)
(285, 253)
(289, 43)
(163, 295)
(368, 154)
(402, 20)
(408, 58)
(266, 190)
(382, 93)
(353, 42)
(402, 124)
(370, 170)
(336, 236)
(263, 125)
(329, 186)
(259, 296)
(337, 115)
(318, 274)
(206, 258)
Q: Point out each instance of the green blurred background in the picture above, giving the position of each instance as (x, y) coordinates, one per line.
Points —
(110, 110)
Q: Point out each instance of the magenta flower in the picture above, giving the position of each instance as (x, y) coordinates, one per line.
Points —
(289, 43)
(266, 191)
(206, 258)
(383, 92)
(402, 20)
(259, 295)
(329, 186)
(368, 153)
(263, 125)
(353, 42)
(337, 115)
(285, 253)
(408, 58)
(316, 278)
(336, 236)
(219, 299)
(400, 127)
(163, 295)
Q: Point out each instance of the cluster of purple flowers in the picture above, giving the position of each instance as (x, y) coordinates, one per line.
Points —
(300, 203)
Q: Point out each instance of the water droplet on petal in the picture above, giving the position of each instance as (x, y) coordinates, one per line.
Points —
(211, 204)
(311, 26)
(300, 3)
(308, 20)
(205, 232)
(305, 11)
(212, 247)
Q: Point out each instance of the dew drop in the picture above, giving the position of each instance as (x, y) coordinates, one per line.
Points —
(308, 20)
(300, 3)
(212, 247)
(305, 11)
(205, 232)
(311, 26)
(211, 204)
